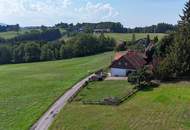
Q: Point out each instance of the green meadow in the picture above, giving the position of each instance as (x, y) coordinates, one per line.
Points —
(97, 91)
(128, 36)
(164, 108)
(27, 90)
(8, 35)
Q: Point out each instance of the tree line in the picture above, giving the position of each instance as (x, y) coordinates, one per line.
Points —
(35, 35)
(89, 27)
(80, 45)
(159, 28)
(5, 28)
(117, 27)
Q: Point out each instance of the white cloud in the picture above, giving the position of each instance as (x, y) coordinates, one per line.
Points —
(48, 12)
(21, 6)
(45, 5)
(99, 11)
(8, 7)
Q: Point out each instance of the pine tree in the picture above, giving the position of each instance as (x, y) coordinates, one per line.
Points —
(185, 18)
(182, 45)
(177, 61)
(180, 51)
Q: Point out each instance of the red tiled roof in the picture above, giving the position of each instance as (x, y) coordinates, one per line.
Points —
(118, 55)
(130, 60)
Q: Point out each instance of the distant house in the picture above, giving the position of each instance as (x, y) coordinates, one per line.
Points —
(80, 30)
(127, 62)
(102, 30)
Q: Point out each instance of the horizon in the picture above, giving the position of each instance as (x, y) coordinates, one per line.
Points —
(4, 24)
(49, 12)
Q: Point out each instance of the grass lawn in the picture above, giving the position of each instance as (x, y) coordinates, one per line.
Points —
(96, 91)
(163, 108)
(12, 34)
(8, 35)
(128, 36)
(27, 90)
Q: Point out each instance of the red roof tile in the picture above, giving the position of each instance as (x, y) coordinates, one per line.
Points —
(130, 60)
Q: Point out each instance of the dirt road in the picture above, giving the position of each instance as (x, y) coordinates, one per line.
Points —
(46, 120)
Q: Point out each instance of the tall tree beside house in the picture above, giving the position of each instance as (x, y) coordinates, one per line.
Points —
(181, 49)
(177, 61)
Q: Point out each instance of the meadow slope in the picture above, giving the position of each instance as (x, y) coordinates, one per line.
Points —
(163, 108)
(27, 90)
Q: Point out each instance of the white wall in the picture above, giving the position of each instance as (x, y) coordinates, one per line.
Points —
(118, 72)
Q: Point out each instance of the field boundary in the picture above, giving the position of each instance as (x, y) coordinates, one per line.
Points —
(114, 101)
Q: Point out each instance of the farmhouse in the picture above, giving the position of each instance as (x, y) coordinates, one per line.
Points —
(127, 62)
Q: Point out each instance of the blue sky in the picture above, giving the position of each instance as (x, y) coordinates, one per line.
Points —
(130, 13)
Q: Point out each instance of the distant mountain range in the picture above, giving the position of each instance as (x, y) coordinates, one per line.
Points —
(2, 24)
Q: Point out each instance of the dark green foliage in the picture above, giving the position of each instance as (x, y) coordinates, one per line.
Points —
(9, 28)
(159, 28)
(175, 50)
(117, 27)
(46, 53)
(138, 45)
(66, 51)
(140, 77)
(89, 27)
(163, 47)
(156, 39)
(45, 35)
(78, 46)
(133, 38)
(31, 52)
(86, 44)
(18, 53)
(5, 54)
(148, 39)
(121, 47)
(56, 45)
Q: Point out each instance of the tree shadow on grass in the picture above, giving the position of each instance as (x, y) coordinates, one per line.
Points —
(149, 86)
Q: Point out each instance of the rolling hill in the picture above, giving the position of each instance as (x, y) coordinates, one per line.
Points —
(27, 90)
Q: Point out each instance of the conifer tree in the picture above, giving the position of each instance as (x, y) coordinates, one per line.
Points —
(177, 61)
(182, 45)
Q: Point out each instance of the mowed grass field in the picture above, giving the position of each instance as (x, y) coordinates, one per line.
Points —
(97, 91)
(8, 35)
(128, 36)
(12, 34)
(164, 108)
(27, 90)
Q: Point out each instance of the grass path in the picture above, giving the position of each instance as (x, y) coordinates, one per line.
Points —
(26, 90)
